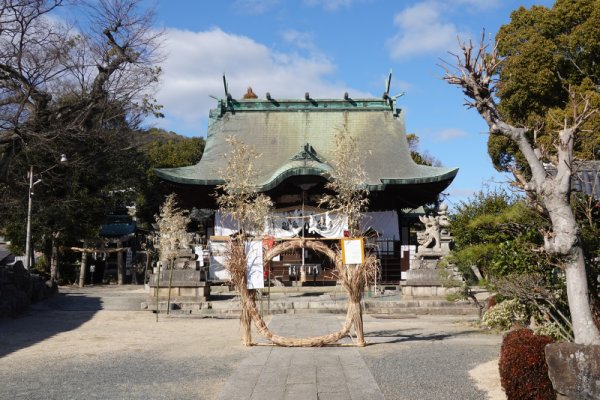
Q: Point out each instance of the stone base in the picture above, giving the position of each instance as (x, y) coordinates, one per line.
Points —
(574, 370)
(426, 291)
(425, 276)
(183, 283)
(200, 293)
(424, 283)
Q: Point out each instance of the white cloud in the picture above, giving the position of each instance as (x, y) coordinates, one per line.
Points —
(301, 40)
(196, 61)
(451, 133)
(422, 30)
(253, 7)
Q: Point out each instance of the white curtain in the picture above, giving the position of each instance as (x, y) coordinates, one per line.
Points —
(289, 224)
(329, 225)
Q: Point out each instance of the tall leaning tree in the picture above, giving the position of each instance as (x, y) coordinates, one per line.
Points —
(61, 82)
(537, 88)
(78, 89)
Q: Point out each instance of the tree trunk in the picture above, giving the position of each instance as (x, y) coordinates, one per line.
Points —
(83, 268)
(585, 330)
(565, 242)
(54, 273)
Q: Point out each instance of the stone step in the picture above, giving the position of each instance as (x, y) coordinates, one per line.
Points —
(429, 307)
(417, 304)
(425, 311)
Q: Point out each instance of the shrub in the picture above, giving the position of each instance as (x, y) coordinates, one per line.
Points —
(503, 315)
(523, 368)
(550, 329)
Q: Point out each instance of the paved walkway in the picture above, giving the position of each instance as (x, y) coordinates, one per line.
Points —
(276, 373)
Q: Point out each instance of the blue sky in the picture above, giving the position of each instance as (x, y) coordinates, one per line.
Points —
(326, 48)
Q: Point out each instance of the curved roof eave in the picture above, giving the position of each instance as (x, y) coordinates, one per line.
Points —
(288, 171)
(449, 174)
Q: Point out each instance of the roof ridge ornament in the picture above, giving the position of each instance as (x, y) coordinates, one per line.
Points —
(391, 99)
(307, 153)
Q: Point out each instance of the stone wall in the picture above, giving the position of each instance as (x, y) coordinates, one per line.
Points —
(19, 288)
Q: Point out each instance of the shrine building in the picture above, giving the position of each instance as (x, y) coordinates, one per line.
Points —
(296, 140)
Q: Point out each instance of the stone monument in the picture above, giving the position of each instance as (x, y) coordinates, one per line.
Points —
(188, 278)
(423, 278)
(434, 241)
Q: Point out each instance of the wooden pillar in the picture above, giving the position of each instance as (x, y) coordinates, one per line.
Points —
(105, 259)
(120, 272)
(83, 267)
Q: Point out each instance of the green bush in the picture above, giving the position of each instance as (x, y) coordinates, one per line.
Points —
(505, 314)
(550, 329)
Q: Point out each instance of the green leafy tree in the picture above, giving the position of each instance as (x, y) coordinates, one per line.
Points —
(423, 158)
(545, 51)
(499, 234)
(73, 198)
(501, 99)
(161, 149)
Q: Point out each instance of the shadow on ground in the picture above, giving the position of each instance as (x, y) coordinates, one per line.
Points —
(400, 335)
(45, 319)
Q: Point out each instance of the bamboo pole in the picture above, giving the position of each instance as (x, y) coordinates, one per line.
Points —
(157, 289)
(172, 264)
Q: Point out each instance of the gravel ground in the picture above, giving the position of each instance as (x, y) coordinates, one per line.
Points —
(118, 355)
(83, 346)
(428, 358)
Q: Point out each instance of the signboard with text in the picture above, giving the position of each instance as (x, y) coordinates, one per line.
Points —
(353, 251)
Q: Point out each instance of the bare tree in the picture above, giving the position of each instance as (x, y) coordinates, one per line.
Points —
(238, 197)
(172, 234)
(57, 81)
(474, 72)
(66, 86)
(347, 181)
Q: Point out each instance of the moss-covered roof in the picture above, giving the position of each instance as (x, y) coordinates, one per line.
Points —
(296, 137)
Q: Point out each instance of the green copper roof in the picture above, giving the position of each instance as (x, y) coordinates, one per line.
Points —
(296, 137)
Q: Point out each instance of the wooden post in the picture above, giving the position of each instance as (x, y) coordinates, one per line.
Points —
(120, 272)
(105, 256)
(83, 267)
(171, 263)
(157, 289)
